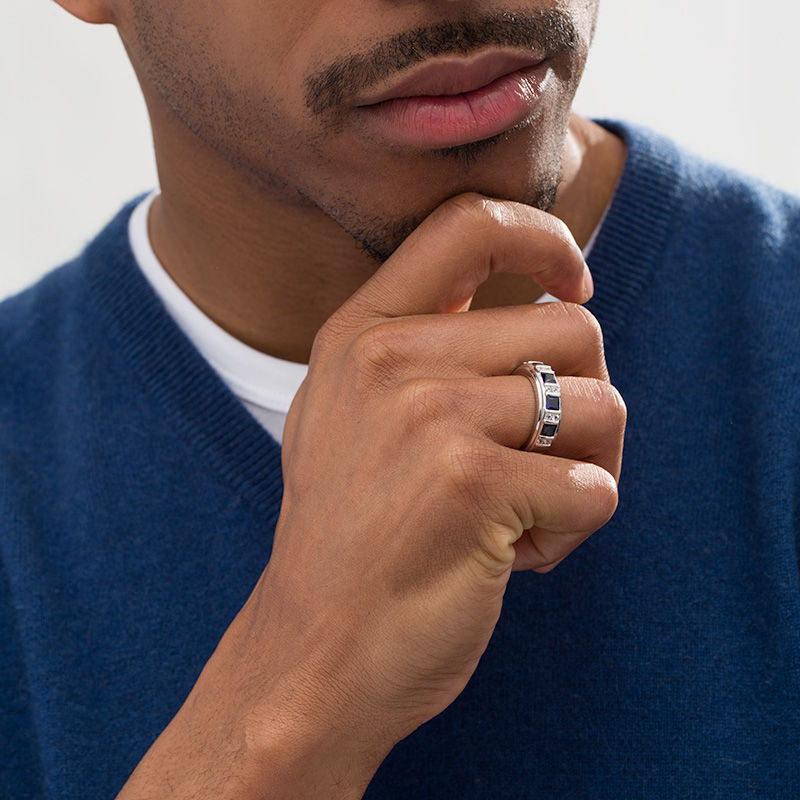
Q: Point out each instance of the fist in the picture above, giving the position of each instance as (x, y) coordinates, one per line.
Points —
(407, 499)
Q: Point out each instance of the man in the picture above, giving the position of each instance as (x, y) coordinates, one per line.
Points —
(191, 611)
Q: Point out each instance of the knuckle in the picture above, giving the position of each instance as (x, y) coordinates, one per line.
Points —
(480, 224)
(329, 337)
(588, 323)
(619, 411)
(591, 334)
(559, 259)
(473, 469)
(605, 496)
(376, 356)
(474, 216)
(425, 402)
(595, 498)
(465, 209)
(561, 231)
(560, 242)
(614, 410)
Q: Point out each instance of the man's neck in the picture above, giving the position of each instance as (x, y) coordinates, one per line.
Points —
(271, 273)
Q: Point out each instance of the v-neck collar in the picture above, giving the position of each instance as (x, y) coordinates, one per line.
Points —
(636, 229)
(629, 247)
(193, 397)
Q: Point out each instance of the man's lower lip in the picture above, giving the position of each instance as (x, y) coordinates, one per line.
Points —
(450, 120)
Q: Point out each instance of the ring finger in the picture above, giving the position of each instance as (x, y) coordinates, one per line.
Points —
(504, 409)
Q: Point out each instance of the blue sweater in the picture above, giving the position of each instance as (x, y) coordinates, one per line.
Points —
(661, 660)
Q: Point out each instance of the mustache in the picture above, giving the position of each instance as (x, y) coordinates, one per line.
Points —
(546, 32)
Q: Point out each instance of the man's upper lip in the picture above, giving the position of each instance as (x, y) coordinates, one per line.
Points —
(451, 75)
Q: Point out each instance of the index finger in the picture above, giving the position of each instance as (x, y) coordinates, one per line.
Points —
(454, 250)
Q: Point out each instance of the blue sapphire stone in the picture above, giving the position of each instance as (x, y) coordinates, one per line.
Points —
(549, 377)
(549, 430)
(552, 402)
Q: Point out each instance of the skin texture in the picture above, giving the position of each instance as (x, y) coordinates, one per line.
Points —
(395, 542)
(307, 237)
(245, 164)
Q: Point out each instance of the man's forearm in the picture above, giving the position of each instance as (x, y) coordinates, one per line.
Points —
(288, 760)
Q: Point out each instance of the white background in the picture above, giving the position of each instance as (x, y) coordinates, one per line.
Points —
(720, 77)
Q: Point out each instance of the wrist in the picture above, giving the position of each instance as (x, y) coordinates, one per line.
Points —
(254, 728)
(311, 729)
(307, 756)
(273, 755)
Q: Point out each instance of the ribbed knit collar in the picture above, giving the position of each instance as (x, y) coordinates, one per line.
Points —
(228, 440)
(193, 397)
(634, 235)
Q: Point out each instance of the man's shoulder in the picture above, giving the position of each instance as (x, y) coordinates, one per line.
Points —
(27, 318)
(37, 319)
(54, 333)
(710, 181)
(738, 204)
(36, 327)
(725, 209)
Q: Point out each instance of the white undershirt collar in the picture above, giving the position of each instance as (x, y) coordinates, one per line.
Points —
(252, 375)
(265, 384)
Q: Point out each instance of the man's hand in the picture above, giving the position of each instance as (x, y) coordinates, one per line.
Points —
(407, 504)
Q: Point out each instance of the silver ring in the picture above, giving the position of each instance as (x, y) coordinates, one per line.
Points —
(548, 401)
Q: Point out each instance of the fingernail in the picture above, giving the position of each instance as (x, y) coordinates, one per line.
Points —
(588, 285)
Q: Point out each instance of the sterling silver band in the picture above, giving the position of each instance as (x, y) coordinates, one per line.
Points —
(548, 403)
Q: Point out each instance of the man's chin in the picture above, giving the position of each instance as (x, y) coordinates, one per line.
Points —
(503, 167)
(379, 238)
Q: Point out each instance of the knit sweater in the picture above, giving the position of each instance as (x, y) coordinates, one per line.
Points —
(660, 660)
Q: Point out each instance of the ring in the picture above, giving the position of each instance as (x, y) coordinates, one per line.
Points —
(548, 399)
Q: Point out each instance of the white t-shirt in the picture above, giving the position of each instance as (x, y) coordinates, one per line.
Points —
(266, 385)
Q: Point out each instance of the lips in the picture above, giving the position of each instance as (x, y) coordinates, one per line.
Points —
(451, 76)
(449, 102)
